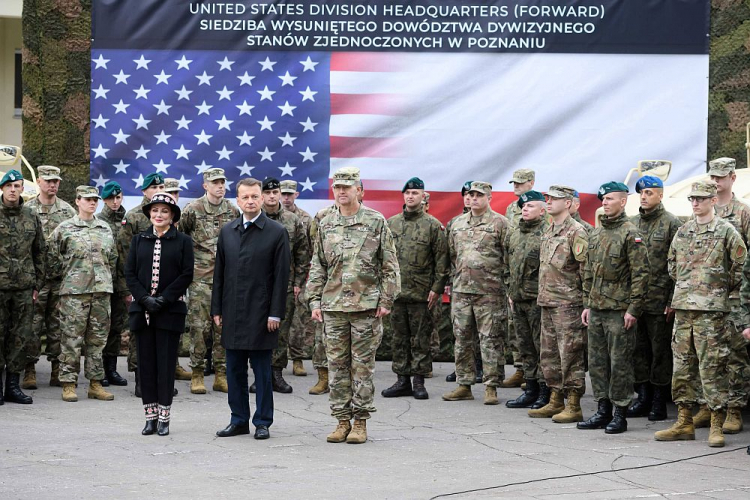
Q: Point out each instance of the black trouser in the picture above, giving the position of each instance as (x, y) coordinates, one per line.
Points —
(238, 398)
(157, 356)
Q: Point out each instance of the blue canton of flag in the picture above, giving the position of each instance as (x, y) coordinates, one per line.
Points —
(178, 113)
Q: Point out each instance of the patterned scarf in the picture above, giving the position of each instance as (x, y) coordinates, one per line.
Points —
(155, 266)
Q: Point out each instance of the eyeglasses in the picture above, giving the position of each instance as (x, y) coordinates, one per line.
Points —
(698, 199)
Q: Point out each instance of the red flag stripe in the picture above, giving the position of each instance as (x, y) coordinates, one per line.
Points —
(366, 147)
(364, 61)
(367, 104)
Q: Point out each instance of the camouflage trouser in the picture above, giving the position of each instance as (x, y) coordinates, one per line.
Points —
(302, 332)
(280, 356)
(611, 356)
(202, 328)
(443, 332)
(86, 322)
(652, 358)
(319, 350)
(118, 322)
(16, 332)
(351, 341)
(485, 316)
(47, 322)
(562, 348)
(385, 349)
(511, 341)
(526, 317)
(739, 363)
(701, 348)
(411, 323)
(132, 352)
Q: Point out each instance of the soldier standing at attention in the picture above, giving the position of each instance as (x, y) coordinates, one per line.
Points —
(652, 357)
(22, 250)
(479, 261)
(705, 262)
(614, 285)
(574, 206)
(353, 282)
(51, 211)
(85, 249)
(422, 249)
(172, 187)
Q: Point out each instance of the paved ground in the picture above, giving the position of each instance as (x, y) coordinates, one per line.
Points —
(417, 450)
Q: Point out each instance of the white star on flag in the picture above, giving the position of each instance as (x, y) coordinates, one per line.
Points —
(203, 137)
(183, 63)
(202, 167)
(162, 78)
(287, 170)
(245, 139)
(267, 64)
(308, 64)
(245, 169)
(266, 154)
(100, 62)
(182, 152)
(308, 155)
(266, 124)
(183, 182)
(142, 62)
(138, 181)
(100, 92)
(225, 64)
(100, 152)
(307, 185)
(224, 153)
(121, 168)
(101, 181)
(161, 166)
(121, 77)
(120, 137)
(141, 152)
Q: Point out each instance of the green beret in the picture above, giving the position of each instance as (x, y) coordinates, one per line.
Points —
(530, 196)
(111, 189)
(11, 176)
(152, 179)
(413, 183)
(611, 187)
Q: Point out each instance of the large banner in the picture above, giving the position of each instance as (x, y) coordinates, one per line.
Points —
(449, 91)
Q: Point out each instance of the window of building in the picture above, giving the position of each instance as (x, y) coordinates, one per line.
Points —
(18, 86)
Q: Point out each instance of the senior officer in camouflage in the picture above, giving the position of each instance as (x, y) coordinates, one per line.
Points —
(135, 222)
(562, 255)
(705, 261)
(51, 211)
(299, 244)
(731, 209)
(573, 210)
(353, 282)
(202, 220)
(615, 282)
(652, 357)
(422, 249)
(85, 249)
(479, 260)
(113, 213)
(523, 256)
(22, 262)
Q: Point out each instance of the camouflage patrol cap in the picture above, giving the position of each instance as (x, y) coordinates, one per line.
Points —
(481, 187)
(413, 183)
(647, 165)
(648, 181)
(172, 185)
(560, 191)
(11, 176)
(87, 192)
(152, 179)
(48, 173)
(704, 189)
(721, 167)
(213, 174)
(522, 175)
(347, 176)
(270, 183)
(611, 187)
(530, 196)
(288, 186)
(465, 188)
(111, 188)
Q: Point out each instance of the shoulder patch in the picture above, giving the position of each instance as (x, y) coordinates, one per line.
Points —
(739, 252)
(580, 247)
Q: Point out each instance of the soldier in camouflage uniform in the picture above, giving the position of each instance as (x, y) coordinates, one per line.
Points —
(133, 223)
(85, 249)
(705, 261)
(479, 262)
(113, 213)
(615, 282)
(731, 209)
(523, 257)
(422, 249)
(172, 187)
(51, 211)
(562, 255)
(353, 282)
(653, 351)
(22, 250)
(574, 206)
(299, 244)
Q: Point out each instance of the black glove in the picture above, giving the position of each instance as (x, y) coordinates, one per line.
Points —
(160, 302)
(151, 304)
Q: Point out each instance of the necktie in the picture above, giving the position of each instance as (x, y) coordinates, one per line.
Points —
(248, 224)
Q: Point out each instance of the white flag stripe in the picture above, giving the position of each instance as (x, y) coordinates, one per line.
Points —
(367, 126)
(366, 82)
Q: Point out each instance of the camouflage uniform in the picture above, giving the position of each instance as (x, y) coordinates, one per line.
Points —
(119, 310)
(577, 217)
(615, 282)
(319, 358)
(513, 214)
(354, 271)
(422, 249)
(302, 331)
(203, 221)
(86, 251)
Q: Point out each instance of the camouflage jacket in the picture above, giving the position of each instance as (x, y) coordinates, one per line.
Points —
(134, 222)
(299, 245)
(113, 219)
(315, 223)
(422, 249)
(22, 248)
(738, 214)
(658, 229)
(577, 217)
(51, 216)
(86, 251)
(479, 257)
(523, 258)
(354, 266)
(562, 255)
(513, 214)
(705, 261)
(306, 220)
(203, 221)
(616, 273)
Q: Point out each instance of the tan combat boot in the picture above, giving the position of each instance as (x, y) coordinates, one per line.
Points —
(54, 376)
(340, 434)
(515, 380)
(196, 383)
(358, 434)
(702, 418)
(298, 368)
(556, 405)
(572, 412)
(490, 396)
(682, 430)
(96, 391)
(733, 423)
(182, 374)
(220, 382)
(322, 386)
(460, 393)
(29, 377)
(69, 392)
(716, 435)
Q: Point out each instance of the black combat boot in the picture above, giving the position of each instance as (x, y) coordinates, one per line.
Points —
(480, 371)
(209, 368)
(619, 424)
(659, 403)
(528, 397)
(110, 370)
(642, 404)
(451, 377)
(419, 391)
(402, 387)
(13, 392)
(543, 399)
(601, 418)
(137, 384)
(278, 382)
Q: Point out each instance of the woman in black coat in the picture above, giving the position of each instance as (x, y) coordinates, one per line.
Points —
(158, 271)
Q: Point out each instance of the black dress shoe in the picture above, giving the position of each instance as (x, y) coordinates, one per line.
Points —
(451, 377)
(149, 428)
(234, 430)
(174, 392)
(261, 432)
(163, 428)
(252, 389)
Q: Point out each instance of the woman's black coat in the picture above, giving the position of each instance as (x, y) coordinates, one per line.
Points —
(175, 275)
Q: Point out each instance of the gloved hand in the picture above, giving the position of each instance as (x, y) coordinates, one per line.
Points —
(151, 304)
